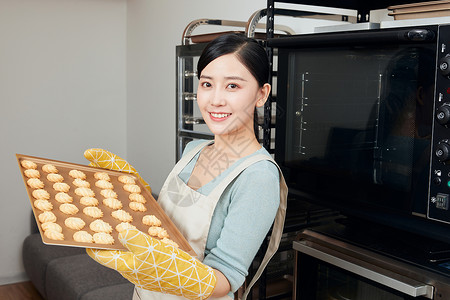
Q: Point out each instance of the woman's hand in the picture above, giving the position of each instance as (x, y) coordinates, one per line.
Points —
(153, 265)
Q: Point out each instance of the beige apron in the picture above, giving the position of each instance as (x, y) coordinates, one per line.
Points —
(192, 213)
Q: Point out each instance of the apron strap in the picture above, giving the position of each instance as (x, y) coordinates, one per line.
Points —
(185, 159)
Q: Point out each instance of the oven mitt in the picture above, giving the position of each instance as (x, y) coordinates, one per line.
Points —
(153, 265)
(104, 159)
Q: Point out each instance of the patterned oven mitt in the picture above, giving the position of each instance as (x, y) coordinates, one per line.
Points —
(156, 266)
(101, 158)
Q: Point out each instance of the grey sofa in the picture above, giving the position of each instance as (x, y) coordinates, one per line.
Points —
(61, 273)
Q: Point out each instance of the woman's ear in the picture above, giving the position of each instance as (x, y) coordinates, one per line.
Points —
(263, 95)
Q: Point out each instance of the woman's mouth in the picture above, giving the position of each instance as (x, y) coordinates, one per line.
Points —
(219, 116)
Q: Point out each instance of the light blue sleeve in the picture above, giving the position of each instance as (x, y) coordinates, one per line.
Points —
(241, 221)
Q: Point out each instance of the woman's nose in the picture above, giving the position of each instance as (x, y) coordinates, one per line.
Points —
(218, 98)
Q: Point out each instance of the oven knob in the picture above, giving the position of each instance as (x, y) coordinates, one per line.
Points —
(444, 65)
(443, 114)
(443, 151)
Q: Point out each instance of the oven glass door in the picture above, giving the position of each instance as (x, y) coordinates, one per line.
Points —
(318, 280)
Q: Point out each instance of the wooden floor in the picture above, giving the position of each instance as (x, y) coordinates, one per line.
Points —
(19, 291)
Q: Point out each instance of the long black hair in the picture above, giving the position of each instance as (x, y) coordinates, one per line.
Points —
(249, 52)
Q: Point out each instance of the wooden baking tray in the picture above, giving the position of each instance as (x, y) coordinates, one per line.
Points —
(64, 168)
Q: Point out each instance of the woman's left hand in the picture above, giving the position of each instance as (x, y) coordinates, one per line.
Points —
(153, 265)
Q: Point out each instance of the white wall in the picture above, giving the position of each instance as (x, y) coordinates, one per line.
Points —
(62, 90)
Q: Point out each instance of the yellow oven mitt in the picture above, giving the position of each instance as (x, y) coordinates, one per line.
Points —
(153, 265)
(101, 158)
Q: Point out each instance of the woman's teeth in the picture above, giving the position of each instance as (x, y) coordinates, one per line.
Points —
(219, 115)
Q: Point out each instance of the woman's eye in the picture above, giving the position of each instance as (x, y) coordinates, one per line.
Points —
(232, 86)
(206, 84)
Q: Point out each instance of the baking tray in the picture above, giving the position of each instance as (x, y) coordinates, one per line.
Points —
(64, 168)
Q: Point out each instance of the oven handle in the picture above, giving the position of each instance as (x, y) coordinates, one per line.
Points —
(401, 283)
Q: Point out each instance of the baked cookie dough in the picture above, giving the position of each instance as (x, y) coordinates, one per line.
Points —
(132, 188)
(83, 237)
(137, 198)
(84, 192)
(170, 242)
(41, 194)
(77, 174)
(102, 176)
(136, 206)
(158, 232)
(62, 197)
(124, 226)
(28, 164)
(47, 216)
(89, 201)
(32, 173)
(122, 215)
(55, 177)
(151, 220)
(104, 184)
(51, 226)
(74, 223)
(78, 182)
(43, 205)
(126, 179)
(108, 193)
(112, 203)
(49, 168)
(103, 238)
(100, 226)
(68, 209)
(61, 187)
(35, 183)
(54, 235)
(93, 212)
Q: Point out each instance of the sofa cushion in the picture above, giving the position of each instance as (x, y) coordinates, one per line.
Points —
(122, 291)
(36, 256)
(71, 277)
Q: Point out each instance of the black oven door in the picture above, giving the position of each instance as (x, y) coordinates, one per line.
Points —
(329, 269)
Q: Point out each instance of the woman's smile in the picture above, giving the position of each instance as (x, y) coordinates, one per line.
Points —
(219, 116)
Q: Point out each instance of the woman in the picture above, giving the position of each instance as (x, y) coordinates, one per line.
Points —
(223, 195)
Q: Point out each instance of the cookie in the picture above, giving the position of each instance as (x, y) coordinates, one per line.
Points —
(68, 209)
(77, 174)
(47, 216)
(61, 187)
(137, 198)
(112, 203)
(89, 201)
(100, 226)
(83, 237)
(78, 182)
(32, 173)
(51, 226)
(136, 206)
(102, 176)
(35, 183)
(74, 223)
(104, 184)
(54, 235)
(41, 194)
(151, 220)
(132, 188)
(158, 232)
(126, 179)
(84, 192)
(28, 164)
(124, 226)
(103, 238)
(122, 215)
(169, 242)
(108, 193)
(62, 197)
(43, 205)
(52, 177)
(93, 212)
(49, 168)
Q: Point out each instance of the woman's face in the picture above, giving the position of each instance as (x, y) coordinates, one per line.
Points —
(227, 96)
